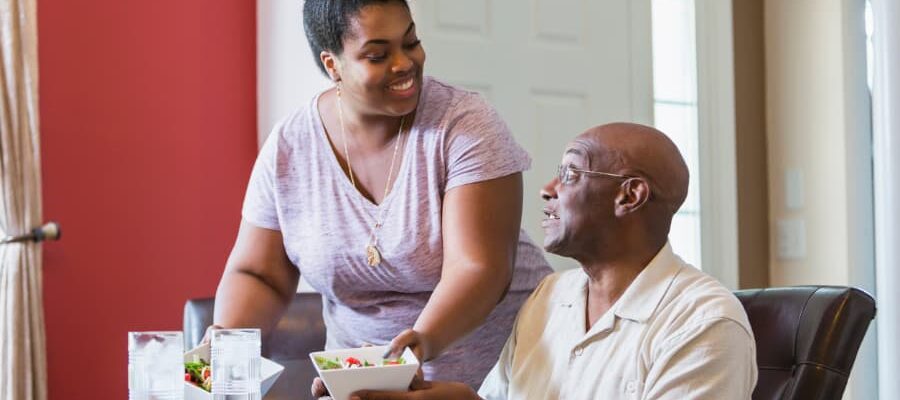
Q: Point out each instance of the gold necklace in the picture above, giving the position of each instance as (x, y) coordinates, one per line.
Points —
(373, 255)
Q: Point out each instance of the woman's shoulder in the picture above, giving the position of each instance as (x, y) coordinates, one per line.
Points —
(447, 100)
(436, 86)
(298, 126)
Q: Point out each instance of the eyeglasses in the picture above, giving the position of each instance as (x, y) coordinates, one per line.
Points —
(565, 173)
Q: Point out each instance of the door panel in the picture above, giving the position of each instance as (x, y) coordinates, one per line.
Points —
(552, 68)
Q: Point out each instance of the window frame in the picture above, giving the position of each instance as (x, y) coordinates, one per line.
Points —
(717, 140)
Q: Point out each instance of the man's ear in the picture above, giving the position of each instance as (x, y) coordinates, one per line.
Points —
(332, 65)
(633, 194)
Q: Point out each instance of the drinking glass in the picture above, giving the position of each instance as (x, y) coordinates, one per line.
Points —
(235, 364)
(155, 366)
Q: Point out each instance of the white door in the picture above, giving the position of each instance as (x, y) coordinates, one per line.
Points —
(552, 68)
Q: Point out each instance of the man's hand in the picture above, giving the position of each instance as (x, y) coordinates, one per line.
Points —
(427, 391)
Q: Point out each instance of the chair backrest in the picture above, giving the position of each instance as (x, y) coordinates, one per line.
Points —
(807, 338)
(301, 331)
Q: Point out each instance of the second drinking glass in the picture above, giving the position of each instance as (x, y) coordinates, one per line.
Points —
(235, 363)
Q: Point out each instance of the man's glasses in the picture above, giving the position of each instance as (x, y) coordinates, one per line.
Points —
(565, 173)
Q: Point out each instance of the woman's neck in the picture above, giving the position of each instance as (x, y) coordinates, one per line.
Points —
(369, 129)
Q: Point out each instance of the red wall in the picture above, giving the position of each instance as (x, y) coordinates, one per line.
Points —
(148, 131)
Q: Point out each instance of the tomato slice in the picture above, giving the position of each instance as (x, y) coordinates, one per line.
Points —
(353, 361)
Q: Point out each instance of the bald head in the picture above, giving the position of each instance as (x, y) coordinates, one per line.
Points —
(617, 189)
(639, 150)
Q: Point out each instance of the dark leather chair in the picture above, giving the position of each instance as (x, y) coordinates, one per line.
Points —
(301, 331)
(806, 338)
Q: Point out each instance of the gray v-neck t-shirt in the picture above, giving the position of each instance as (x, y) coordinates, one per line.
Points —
(298, 187)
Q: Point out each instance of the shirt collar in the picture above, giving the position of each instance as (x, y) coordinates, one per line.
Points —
(642, 297)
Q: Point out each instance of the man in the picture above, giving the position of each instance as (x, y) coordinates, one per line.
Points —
(635, 322)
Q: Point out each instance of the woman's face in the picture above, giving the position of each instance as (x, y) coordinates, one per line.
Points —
(381, 67)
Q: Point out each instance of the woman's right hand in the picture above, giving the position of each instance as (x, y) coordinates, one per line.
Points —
(318, 388)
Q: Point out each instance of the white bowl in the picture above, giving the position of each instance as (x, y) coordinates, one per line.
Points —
(343, 382)
(268, 372)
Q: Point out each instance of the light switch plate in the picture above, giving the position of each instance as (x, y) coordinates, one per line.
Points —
(791, 239)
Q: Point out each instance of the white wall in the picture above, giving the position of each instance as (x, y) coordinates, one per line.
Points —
(819, 135)
(287, 75)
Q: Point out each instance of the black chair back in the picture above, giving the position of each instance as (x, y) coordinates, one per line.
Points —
(807, 338)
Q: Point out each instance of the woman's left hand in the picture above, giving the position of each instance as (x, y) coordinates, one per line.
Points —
(416, 341)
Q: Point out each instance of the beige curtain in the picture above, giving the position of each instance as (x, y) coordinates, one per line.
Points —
(23, 363)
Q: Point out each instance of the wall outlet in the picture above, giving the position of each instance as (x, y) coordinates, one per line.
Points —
(791, 239)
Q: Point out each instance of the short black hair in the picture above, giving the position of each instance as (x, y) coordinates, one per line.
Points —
(326, 22)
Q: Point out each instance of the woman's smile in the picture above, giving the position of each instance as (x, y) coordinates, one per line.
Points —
(405, 88)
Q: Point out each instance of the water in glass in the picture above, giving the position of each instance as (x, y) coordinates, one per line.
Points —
(155, 366)
(235, 364)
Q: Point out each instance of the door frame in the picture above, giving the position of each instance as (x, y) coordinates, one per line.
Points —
(716, 139)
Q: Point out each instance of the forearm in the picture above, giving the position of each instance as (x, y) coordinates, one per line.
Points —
(481, 233)
(244, 300)
(460, 303)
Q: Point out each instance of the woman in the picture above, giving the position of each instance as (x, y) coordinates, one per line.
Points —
(399, 199)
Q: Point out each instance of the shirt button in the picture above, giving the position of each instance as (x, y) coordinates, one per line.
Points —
(630, 387)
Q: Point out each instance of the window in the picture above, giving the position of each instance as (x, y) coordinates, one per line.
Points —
(870, 50)
(675, 109)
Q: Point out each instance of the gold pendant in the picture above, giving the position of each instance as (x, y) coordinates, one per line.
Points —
(373, 257)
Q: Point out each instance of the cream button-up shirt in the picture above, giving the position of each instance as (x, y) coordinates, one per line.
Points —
(676, 333)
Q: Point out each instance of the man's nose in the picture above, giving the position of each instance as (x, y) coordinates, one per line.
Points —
(549, 190)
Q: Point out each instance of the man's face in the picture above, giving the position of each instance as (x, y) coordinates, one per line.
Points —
(577, 209)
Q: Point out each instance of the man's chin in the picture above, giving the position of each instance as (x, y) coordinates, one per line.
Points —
(554, 246)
